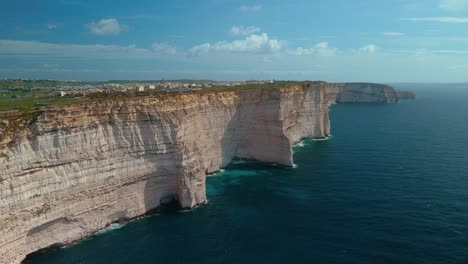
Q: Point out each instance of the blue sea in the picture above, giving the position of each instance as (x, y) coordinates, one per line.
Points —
(390, 186)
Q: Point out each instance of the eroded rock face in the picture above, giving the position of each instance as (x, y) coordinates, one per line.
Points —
(79, 168)
(361, 93)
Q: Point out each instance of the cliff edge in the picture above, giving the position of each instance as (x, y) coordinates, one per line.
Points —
(70, 171)
(361, 93)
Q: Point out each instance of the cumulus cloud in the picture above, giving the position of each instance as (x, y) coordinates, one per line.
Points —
(108, 26)
(199, 49)
(250, 43)
(438, 19)
(389, 33)
(250, 8)
(274, 45)
(320, 49)
(241, 30)
(369, 49)
(453, 5)
(253, 43)
(164, 48)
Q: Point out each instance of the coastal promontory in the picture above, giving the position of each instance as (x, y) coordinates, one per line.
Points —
(361, 93)
(68, 171)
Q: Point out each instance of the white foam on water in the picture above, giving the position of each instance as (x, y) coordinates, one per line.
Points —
(295, 166)
(322, 139)
(193, 209)
(300, 144)
(238, 161)
(221, 171)
(111, 227)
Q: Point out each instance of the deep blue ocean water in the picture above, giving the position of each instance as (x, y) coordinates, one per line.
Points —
(390, 186)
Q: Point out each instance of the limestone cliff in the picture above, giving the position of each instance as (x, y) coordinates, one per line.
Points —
(361, 93)
(72, 170)
(406, 95)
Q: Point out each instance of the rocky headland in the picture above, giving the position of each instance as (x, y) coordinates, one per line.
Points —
(69, 171)
(406, 95)
(361, 93)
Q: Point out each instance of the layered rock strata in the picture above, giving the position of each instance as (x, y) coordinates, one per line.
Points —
(73, 170)
(361, 93)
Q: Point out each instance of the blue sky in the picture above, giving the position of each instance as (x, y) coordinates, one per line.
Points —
(333, 40)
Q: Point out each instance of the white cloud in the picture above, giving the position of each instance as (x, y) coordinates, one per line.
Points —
(453, 5)
(438, 19)
(253, 43)
(58, 61)
(250, 8)
(164, 48)
(369, 49)
(275, 45)
(250, 43)
(108, 26)
(320, 49)
(241, 30)
(199, 49)
(389, 33)
(51, 26)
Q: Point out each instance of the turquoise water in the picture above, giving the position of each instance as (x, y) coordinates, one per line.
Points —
(390, 186)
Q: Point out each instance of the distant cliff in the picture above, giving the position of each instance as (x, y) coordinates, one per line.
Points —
(361, 93)
(406, 95)
(69, 171)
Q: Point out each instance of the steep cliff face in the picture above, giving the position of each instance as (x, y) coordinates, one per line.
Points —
(361, 93)
(76, 169)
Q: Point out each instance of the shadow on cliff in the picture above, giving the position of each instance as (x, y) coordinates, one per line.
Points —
(162, 185)
(150, 143)
(231, 140)
(255, 131)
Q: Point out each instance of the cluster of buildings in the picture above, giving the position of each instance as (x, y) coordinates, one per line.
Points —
(171, 86)
(159, 86)
(132, 87)
(77, 88)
